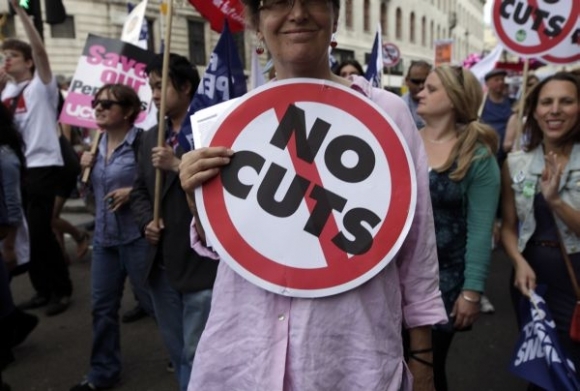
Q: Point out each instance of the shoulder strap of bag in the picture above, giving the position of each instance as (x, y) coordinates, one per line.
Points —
(15, 100)
(571, 273)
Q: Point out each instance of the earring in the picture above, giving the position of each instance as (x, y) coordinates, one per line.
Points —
(260, 47)
(333, 42)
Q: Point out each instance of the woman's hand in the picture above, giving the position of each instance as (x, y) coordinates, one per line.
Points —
(117, 198)
(465, 311)
(164, 158)
(550, 180)
(202, 164)
(87, 159)
(525, 278)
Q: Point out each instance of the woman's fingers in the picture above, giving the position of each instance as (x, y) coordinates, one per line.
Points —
(202, 164)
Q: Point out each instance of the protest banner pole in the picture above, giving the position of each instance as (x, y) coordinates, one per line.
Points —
(521, 103)
(93, 150)
(161, 126)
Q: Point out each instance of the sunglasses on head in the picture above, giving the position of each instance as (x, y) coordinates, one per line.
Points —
(106, 104)
(417, 81)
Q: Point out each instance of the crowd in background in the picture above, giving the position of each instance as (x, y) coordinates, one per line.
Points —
(488, 169)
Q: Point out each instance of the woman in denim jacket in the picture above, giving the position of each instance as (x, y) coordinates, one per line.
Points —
(541, 197)
(119, 248)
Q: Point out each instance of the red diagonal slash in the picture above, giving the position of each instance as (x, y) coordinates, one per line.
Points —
(332, 253)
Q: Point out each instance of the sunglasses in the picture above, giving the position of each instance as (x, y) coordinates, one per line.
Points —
(106, 104)
(417, 81)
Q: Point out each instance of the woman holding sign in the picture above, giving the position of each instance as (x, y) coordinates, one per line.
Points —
(464, 181)
(259, 340)
(541, 202)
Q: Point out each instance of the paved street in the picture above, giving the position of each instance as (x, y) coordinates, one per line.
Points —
(56, 354)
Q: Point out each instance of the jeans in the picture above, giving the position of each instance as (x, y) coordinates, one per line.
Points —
(109, 268)
(48, 270)
(181, 318)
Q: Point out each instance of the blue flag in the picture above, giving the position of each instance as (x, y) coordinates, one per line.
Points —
(538, 357)
(223, 80)
(375, 66)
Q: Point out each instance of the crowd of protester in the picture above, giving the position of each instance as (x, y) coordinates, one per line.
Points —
(469, 147)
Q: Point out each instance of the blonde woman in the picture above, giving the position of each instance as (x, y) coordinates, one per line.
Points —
(464, 182)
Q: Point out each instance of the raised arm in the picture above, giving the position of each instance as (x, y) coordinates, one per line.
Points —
(39, 54)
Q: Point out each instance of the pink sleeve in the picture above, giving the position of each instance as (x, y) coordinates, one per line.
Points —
(417, 259)
(198, 246)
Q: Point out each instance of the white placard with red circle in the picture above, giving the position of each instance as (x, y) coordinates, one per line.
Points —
(391, 55)
(568, 51)
(320, 194)
(531, 28)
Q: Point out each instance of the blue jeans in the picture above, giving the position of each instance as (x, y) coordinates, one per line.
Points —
(181, 318)
(110, 266)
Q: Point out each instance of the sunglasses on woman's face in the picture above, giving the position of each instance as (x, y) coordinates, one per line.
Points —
(106, 104)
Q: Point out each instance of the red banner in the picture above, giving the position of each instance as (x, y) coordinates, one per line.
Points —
(215, 11)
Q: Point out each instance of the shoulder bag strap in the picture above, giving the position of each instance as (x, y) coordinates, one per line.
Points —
(15, 100)
(573, 278)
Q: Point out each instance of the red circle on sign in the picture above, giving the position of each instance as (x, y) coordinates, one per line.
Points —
(341, 271)
(389, 61)
(546, 43)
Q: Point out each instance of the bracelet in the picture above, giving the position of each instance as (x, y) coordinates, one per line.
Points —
(419, 351)
(418, 359)
(470, 299)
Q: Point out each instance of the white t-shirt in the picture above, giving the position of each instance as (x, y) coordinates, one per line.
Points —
(35, 116)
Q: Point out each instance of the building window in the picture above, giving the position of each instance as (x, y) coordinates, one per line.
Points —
(348, 13)
(367, 16)
(399, 24)
(412, 27)
(65, 29)
(438, 32)
(196, 37)
(424, 31)
(241, 46)
(432, 35)
(342, 54)
(150, 35)
(384, 19)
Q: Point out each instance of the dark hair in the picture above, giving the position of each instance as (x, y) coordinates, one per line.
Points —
(181, 71)
(350, 61)
(11, 137)
(21, 47)
(126, 96)
(532, 128)
(418, 63)
(253, 10)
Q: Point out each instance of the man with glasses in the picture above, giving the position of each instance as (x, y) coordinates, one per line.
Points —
(30, 92)
(415, 81)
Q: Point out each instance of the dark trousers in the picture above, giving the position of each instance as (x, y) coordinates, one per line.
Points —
(48, 270)
(6, 308)
(441, 341)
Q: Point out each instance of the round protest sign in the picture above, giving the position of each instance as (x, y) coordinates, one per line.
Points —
(319, 195)
(568, 51)
(533, 27)
(391, 55)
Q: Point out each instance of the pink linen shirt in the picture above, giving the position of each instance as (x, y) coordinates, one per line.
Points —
(256, 340)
